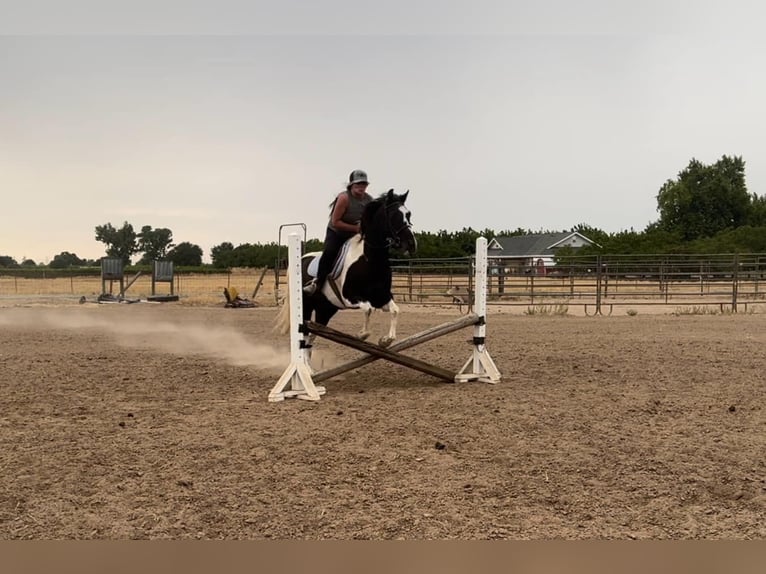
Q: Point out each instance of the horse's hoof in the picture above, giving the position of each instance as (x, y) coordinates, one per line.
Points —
(385, 341)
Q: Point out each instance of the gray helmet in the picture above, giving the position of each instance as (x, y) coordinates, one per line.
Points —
(357, 176)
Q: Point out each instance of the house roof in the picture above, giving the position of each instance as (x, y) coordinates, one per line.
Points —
(533, 245)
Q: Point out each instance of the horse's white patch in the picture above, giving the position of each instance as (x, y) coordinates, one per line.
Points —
(355, 250)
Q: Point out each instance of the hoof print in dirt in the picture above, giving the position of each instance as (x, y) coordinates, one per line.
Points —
(185, 483)
(122, 424)
(732, 408)
(440, 445)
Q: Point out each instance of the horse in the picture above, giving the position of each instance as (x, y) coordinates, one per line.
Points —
(363, 271)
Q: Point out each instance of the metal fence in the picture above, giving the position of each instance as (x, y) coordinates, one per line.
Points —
(598, 283)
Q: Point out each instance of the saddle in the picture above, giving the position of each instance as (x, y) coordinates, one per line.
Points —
(334, 273)
(337, 265)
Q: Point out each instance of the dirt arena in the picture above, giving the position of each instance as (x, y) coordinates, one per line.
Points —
(151, 421)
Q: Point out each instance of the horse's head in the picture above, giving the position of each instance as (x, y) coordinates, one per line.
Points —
(386, 223)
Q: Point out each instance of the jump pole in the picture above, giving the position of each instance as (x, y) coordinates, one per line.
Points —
(478, 367)
(296, 381)
(411, 341)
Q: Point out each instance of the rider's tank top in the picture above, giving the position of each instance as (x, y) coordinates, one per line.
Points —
(354, 210)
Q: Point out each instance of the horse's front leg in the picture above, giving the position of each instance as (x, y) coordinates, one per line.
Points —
(309, 351)
(365, 332)
(393, 310)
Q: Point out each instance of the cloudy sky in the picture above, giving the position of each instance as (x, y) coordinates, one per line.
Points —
(222, 121)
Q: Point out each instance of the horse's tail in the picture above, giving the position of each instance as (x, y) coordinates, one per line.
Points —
(282, 322)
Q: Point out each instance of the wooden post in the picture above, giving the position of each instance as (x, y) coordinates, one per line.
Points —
(260, 282)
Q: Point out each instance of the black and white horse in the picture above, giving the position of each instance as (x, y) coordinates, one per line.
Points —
(363, 276)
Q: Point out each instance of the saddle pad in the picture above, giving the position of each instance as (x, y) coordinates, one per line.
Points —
(313, 267)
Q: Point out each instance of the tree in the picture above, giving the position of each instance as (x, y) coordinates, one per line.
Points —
(154, 243)
(312, 245)
(186, 254)
(221, 255)
(64, 260)
(705, 199)
(28, 263)
(758, 212)
(8, 261)
(120, 243)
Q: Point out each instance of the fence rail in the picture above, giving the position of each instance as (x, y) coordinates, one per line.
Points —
(599, 283)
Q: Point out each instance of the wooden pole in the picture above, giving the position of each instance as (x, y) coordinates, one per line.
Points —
(124, 289)
(394, 357)
(417, 339)
(260, 282)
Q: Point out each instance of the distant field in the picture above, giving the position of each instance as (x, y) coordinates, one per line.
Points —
(206, 288)
(416, 288)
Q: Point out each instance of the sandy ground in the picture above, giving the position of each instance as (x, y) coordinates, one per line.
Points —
(151, 421)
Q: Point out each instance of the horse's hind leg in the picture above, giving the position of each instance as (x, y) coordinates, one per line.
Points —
(393, 310)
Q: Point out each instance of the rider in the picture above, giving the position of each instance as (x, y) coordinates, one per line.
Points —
(344, 223)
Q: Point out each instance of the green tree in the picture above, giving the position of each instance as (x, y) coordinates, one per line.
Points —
(705, 199)
(8, 261)
(28, 263)
(313, 245)
(154, 243)
(758, 211)
(120, 243)
(64, 260)
(221, 255)
(186, 254)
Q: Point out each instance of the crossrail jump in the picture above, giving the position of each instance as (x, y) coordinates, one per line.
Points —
(298, 379)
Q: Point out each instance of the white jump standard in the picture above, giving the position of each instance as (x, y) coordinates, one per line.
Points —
(298, 379)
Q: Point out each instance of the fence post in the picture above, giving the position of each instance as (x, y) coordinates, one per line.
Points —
(409, 280)
(598, 285)
(734, 282)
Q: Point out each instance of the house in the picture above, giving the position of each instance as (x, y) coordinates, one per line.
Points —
(525, 253)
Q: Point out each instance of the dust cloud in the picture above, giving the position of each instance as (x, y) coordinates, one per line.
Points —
(185, 339)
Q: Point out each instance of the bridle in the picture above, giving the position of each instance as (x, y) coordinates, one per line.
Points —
(391, 235)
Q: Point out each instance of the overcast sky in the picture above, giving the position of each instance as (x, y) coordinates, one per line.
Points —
(222, 121)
